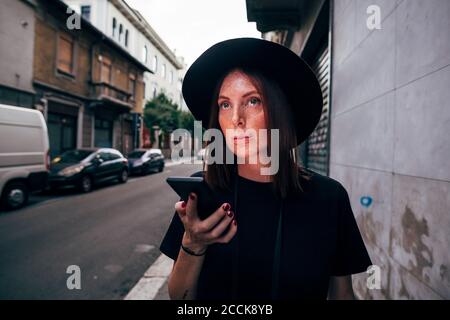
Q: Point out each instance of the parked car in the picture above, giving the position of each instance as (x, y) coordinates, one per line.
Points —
(142, 161)
(24, 154)
(83, 168)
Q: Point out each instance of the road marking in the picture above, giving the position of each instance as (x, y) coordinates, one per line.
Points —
(143, 248)
(154, 278)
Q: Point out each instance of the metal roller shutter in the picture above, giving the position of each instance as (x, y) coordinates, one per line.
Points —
(317, 145)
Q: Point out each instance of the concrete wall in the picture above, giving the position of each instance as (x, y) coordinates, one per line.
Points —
(390, 139)
(17, 39)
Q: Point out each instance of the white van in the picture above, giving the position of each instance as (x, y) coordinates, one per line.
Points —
(24, 154)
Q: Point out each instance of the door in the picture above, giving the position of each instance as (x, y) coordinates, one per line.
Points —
(62, 131)
(103, 133)
(104, 167)
(128, 143)
(155, 160)
(116, 164)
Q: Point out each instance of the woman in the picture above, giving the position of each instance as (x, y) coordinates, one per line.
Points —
(288, 235)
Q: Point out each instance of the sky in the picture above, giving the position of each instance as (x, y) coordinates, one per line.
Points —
(192, 26)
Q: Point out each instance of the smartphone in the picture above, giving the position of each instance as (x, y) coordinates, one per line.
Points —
(207, 202)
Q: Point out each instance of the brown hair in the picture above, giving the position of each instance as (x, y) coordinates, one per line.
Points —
(278, 116)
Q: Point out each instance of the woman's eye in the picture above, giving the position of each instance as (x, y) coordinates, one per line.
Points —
(224, 105)
(254, 101)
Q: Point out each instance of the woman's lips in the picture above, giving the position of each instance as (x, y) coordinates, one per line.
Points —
(240, 139)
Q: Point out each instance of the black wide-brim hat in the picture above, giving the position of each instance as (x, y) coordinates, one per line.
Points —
(292, 73)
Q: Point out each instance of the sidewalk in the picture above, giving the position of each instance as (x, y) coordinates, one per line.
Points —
(153, 285)
(163, 293)
(170, 162)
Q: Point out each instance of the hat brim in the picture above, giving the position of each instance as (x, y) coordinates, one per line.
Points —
(292, 73)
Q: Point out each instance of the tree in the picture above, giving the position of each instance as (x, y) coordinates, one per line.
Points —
(187, 121)
(162, 112)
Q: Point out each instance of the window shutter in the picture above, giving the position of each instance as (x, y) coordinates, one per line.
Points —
(65, 54)
(317, 158)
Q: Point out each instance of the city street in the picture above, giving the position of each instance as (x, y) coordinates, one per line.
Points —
(335, 115)
(112, 234)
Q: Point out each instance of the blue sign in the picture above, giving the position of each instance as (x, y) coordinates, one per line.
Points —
(366, 201)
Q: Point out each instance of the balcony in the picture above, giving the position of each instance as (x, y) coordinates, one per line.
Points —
(108, 93)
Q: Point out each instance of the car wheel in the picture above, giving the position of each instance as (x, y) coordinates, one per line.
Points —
(15, 195)
(123, 177)
(86, 184)
(161, 168)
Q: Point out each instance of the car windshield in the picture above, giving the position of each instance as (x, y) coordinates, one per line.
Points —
(136, 154)
(72, 156)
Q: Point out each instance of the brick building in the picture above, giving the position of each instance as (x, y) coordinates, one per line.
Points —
(89, 88)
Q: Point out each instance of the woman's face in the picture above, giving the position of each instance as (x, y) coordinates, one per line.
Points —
(241, 114)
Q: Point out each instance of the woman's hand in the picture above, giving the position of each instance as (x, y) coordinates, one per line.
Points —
(201, 233)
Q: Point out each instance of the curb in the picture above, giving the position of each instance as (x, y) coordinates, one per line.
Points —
(153, 280)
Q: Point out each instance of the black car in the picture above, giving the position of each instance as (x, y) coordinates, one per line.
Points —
(84, 167)
(142, 161)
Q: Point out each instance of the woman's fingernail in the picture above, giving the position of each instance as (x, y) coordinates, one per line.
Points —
(183, 204)
(226, 206)
(235, 222)
(230, 214)
(191, 196)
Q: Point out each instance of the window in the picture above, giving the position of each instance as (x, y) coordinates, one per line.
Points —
(163, 70)
(104, 155)
(114, 26)
(105, 73)
(136, 154)
(144, 54)
(132, 85)
(171, 76)
(86, 12)
(126, 38)
(65, 54)
(16, 97)
(120, 32)
(113, 156)
(154, 92)
(155, 63)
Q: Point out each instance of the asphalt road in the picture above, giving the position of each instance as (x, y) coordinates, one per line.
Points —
(112, 234)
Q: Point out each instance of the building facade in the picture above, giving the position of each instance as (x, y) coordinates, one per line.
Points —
(130, 30)
(89, 88)
(384, 68)
(16, 52)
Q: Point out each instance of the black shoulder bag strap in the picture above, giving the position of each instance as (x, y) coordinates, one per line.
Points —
(277, 255)
(235, 241)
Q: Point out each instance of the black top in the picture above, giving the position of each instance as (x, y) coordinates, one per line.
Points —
(320, 238)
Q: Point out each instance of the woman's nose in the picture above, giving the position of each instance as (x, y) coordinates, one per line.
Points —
(237, 117)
